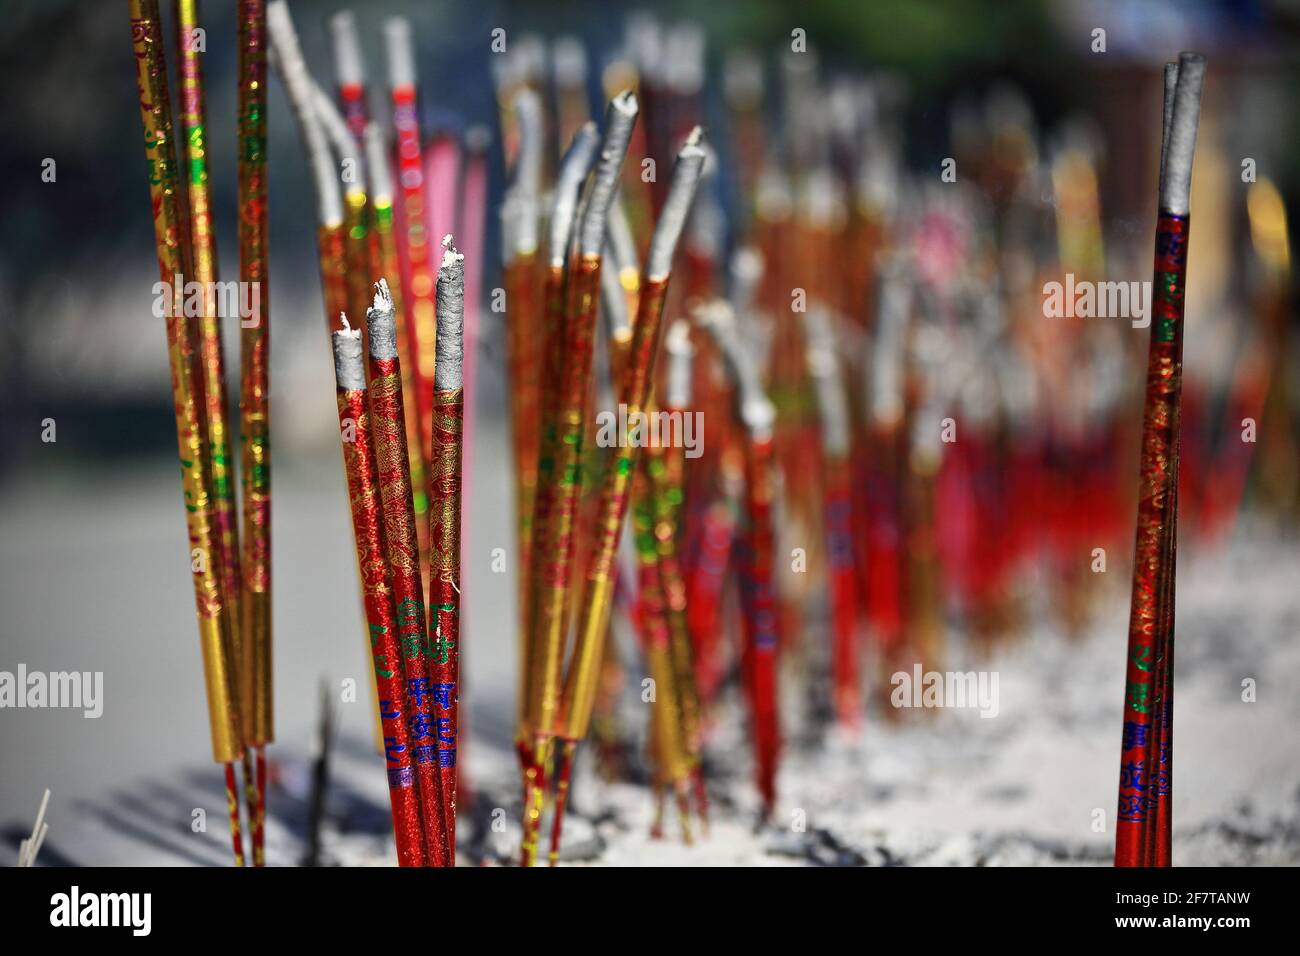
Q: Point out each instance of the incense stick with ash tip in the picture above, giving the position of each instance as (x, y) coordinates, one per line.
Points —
(582, 678)
(758, 662)
(388, 425)
(360, 466)
(254, 408)
(211, 609)
(445, 599)
(1144, 817)
(286, 57)
(555, 536)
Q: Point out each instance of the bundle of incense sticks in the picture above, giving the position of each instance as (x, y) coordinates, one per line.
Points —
(386, 649)
(428, 702)
(561, 451)
(635, 394)
(184, 350)
(1144, 821)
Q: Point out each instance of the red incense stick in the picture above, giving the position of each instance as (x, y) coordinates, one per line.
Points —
(1144, 824)
(444, 530)
(759, 659)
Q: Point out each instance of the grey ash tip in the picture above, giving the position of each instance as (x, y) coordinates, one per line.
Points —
(382, 323)
(568, 184)
(349, 366)
(449, 350)
(681, 193)
(618, 132)
(1176, 183)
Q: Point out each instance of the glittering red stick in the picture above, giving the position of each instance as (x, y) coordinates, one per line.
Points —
(444, 532)
(1144, 817)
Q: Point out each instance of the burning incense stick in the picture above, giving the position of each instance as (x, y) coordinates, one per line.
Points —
(444, 528)
(164, 190)
(756, 413)
(1144, 824)
(386, 651)
(400, 541)
(593, 619)
(556, 535)
(254, 406)
(418, 280)
(286, 57)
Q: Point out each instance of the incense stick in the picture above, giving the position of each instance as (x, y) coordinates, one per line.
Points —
(444, 528)
(666, 470)
(286, 57)
(1143, 826)
(757, 414)
(356, 245)
(832, 407)
(418, 280)
(254, 404)
(203, 262)
(386, 653)
(388, 267)
(350, 72)
(164, 189)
